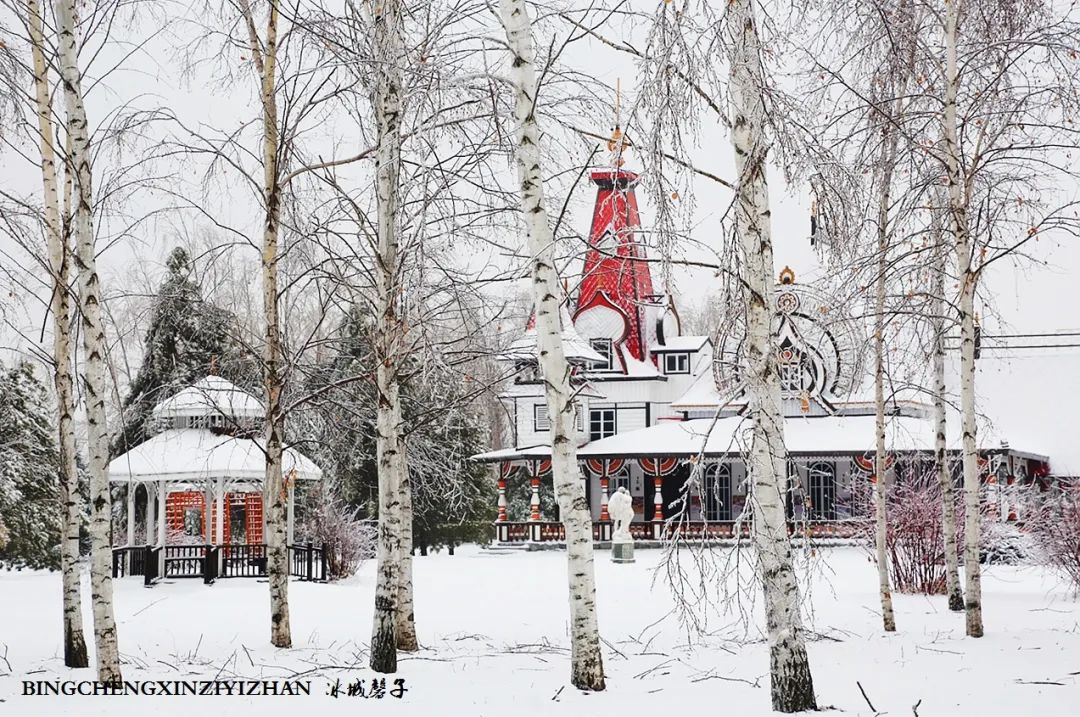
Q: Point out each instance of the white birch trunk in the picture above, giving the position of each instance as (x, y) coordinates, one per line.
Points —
(264, 54)
(792, 684)
(587, 670)
(967, 278)
(406, 621)
(93, 332)
(888, 618)
(60, 305)
(941, 456)
(388, 49)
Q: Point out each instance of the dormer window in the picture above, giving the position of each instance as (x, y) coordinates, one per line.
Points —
(605, 349)
(677, 363)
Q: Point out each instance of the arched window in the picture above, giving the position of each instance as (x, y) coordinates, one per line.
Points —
(717, 489)
(822, 481)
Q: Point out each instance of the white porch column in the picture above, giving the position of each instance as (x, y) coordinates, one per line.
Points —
(131, 513)
(219, 501)
(151, 514)
(289, 514)
(208, 511)
(163, 491)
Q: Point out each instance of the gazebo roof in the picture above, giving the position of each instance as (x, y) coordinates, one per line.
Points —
(188, 454)
(211, 396)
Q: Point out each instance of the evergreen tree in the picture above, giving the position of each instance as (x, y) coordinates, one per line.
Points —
(188, 338)
(29, 468)
(453, 499)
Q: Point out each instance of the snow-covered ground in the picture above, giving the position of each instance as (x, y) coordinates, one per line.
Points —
(494, 631)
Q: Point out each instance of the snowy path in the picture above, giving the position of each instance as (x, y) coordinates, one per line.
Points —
(494, 628)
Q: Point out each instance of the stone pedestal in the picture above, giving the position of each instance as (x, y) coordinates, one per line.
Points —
(622, 552)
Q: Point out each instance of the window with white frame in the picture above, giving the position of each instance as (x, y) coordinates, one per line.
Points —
(605, 349)
(601, 423)
(677, 363)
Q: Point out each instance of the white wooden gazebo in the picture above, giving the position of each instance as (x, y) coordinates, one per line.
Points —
(204, 442)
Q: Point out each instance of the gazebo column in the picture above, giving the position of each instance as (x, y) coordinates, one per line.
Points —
(151, 514)
(290, 514)
(129, 554)
(162, 495)
(219, 502)
(131, 513)
(208, 512)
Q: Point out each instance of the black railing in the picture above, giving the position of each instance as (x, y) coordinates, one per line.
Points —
(211, 562)
(243, 561)
(151, 562)
(185, 561)
(128, 560)
(307, 562)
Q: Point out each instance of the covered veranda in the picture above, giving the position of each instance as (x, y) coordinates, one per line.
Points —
(830, 466)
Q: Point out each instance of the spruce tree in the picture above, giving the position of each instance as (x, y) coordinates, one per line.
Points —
(453, 499)
(188, 338)
(29, 468)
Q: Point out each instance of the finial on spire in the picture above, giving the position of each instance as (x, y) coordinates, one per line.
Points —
(618, 141)
(787, 275)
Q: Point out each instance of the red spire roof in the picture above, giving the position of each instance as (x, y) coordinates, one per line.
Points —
(615, 273)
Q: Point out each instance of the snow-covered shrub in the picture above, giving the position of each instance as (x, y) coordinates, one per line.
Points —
(1005, 544)
(915, 540)
(329, 522)
(1055, 528)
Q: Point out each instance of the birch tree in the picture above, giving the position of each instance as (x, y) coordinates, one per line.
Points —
(1010, 92)
(587, 671)
(792, 684)
(60, 307)
(264, 51)
(387, 53)
(941, 457)
(93, 334)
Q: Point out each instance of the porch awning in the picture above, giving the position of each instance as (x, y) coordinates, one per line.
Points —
(816, 435)
(191, 454)
(513, 454)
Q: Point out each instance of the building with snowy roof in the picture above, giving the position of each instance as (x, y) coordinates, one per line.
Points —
(651, 403)
(199, 479)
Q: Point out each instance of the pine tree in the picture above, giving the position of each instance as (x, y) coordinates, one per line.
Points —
(188, 338)
(30, 517)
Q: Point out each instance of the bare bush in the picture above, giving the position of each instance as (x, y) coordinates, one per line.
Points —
(1055, 527)
(330, 522)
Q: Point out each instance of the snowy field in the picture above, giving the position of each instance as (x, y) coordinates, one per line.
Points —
(494, 631)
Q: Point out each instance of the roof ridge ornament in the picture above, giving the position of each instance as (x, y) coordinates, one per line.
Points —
(787, 275)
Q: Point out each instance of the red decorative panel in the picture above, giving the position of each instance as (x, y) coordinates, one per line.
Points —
(658, 466)
(254, 517)
(177, 504)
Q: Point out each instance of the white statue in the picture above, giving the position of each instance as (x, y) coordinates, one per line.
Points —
(621, 510)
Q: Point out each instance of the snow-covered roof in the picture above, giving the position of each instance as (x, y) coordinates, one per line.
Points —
(199, 454)
(680, 344)
(701, 394)
(509, 454)
(211, 396)
(575, 347)
(536, 390)
(827, 434)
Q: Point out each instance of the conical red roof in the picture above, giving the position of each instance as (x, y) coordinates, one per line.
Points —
(616, 274)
